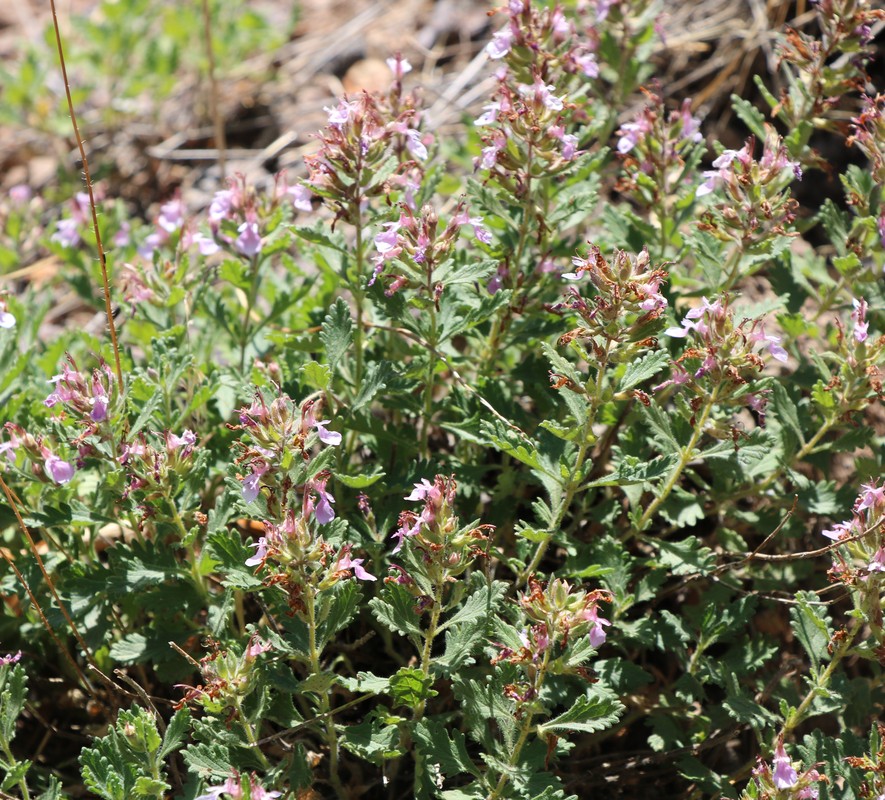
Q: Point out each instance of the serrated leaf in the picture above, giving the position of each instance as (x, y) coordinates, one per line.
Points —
(337, 332)
(376, 378)
(481, 604)
(410, 687)
(641, 370)
(750, 116)
(373, 740)
(396, 609)
(316, 375)
(450, 754)
(591, 713)
(176, 731)
(811, 625)
(359, 481)
(366, 682)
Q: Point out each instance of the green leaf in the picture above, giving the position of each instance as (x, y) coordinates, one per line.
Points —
(176, 731)
(811, 625)
(359, 481)
(750, 116)
(641, 370)
(337, 332)
(376, 378)
(315, 375)
(450, 754)
(13, 693)
(594, 712)
(366, 682)
(481, 604)
(376, 740)
(396, 609)
(410, 687)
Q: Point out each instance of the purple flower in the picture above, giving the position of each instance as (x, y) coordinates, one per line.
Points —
(251, 483)
(399, 66)
(542, 93)
(355, 564)
(423, 490)
(186, 438)
(260, 552)
(783, 774)
(501, 43)
(5, 661)
(60, 471)
(249, 240)
(840, 530)
(301, 197)
(20, 194)
(387, 241)
(871, 496)
(861, 326)
(66, 233)
(171, 215)
(414, 144)
(221, 206)
(207, 245)
(340, 115)
(332, 438)
(488, 116)
(99, 411)
(597, 632)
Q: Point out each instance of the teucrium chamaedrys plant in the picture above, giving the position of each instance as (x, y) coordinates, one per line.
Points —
(478, 465)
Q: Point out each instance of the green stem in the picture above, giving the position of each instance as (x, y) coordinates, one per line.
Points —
(250, 732)
(525, 729)
(797, 716)
(250, 303)
(358, 298)
(429, 382)
(324, 705)
(576, 474)
(429, 636)
(12, 761)
(684, 458)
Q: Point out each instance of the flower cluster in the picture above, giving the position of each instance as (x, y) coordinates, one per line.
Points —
(411, 249)
(722, 358)
(654, 150)
(154, 467)
(753, 203)
(868, 133)
(859, 561)
(46, 464)
(274, 433)
(236, 789)
(371, 145)
(557, 615)
(780, 779)
(93, 399)
(846, 28)
(433, 542)
(854, 380)
(227, 676)
(624, 312)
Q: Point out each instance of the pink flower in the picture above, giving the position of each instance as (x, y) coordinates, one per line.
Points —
(399, 66)
(221, 206)
(346, 562)
(186, 438)
(10, 659)
(332, 438)
(171, 215)
(841, 530)
(60, 471)
(66, 233)
(783, 774)
(861, 326)
(501, 43)
(597, 632)
(249, 240)
(871, 496)
(260, 551)
(301, 197)
(251, 484)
